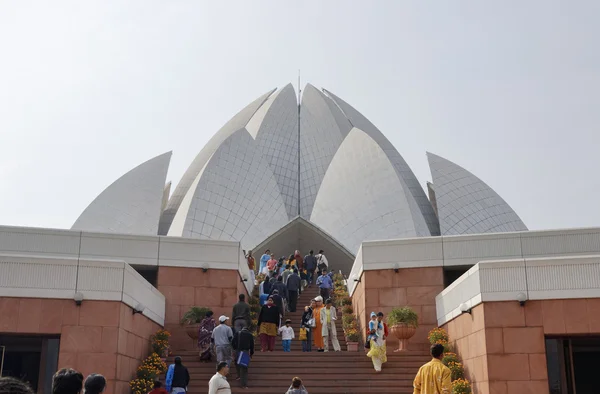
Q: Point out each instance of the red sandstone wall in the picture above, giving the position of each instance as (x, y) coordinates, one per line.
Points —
(186, 287)
(414, 287)
(98, 336)
(467, 335)
(503, 343)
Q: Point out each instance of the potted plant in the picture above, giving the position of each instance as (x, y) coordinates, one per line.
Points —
(403, 323)
(352, 339)
(191, 320)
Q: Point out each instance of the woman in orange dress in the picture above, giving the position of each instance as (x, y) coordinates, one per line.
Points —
(317, 335)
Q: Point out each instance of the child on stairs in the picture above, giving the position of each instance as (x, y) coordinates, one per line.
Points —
(287, 334)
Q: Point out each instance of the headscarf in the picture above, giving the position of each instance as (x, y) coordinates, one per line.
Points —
(319, 299)
(373, 314)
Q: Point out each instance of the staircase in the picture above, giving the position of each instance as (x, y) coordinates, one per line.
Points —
(332, 372)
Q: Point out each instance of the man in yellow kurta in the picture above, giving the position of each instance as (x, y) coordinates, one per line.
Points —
(433, 377)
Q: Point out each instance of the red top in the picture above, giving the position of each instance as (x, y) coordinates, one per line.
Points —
(159, 391)
(271, 264)
(251, 262)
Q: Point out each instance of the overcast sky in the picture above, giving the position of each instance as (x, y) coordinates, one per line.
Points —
(510, 90)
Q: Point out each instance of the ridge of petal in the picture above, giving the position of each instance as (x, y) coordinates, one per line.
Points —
(130, 205)
(466, 204)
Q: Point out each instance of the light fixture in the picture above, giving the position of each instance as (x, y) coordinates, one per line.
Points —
(464, 308)
(396, 268)
(139, 308)
(356, 278)
(522, 298)
(244, 278)
(204, 267)
(78, 298)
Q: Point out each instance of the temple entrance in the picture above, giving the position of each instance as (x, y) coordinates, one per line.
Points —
(302, 235)
(571, 364)
(32, 359)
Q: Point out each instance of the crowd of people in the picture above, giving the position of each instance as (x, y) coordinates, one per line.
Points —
(64, 381)
(284, 280)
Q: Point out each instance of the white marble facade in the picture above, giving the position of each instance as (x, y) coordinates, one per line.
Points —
(277, 160)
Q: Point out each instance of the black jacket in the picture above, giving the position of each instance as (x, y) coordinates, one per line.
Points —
(306, 316)
(310, 262)
(293, 282)
(278, 301)
(269, 315)
(181, 377)
(243, 340)
(281, 288)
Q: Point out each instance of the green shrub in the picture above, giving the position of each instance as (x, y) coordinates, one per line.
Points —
(403, 315)
(457, 370)
(449, 358)
(194, 315)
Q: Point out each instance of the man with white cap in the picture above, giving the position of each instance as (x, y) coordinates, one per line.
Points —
(221, 337)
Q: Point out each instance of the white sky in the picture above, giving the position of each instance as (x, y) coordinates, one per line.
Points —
(507, 89)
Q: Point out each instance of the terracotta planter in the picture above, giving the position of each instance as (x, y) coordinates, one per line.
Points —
(403, 333)
(352, 346)
(192, 330)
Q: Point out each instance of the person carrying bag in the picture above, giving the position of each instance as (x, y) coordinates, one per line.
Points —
(243, 343)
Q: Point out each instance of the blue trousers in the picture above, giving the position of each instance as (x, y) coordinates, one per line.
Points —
(307, 345)
(287, 345)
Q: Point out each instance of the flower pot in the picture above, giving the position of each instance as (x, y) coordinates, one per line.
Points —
(403, 333)
(352, 346)
(192, 330)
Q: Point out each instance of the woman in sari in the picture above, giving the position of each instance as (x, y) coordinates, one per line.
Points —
(268, 324)
(378, 349)
(317, 334)
(204, 335)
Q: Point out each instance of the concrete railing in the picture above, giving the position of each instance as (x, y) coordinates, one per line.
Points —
(529, 279)
(32, 276)
(244, 272)
(356, 272)
(467, 250)
(133, 249)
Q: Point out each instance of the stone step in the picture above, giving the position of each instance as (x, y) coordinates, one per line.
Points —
(390, 354)
(362, 374)
(309, 364)
(279, 389)
(331, 372)
(330, 357)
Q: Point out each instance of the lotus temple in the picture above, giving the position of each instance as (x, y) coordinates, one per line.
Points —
(292, 172)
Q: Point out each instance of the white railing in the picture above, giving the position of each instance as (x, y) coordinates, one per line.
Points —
(136, 289)
(531, 278)
(30, 276)
(356, 272)
(133, 249)
(467, 250)
(244, 272)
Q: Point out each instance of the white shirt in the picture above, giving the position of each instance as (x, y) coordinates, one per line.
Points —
(322, 259)
(218, 384)
(286, 333)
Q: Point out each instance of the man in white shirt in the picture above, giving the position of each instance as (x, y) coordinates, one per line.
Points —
(322, 263)
(218, 384)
